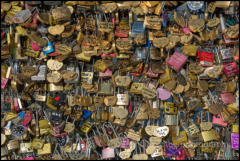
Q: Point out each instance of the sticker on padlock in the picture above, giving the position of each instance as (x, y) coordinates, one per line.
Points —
(47, 49)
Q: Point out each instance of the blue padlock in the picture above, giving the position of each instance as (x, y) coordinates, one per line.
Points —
(47, 49)
(170, 99)
(21, 114)
(86, 114)
(148, 44)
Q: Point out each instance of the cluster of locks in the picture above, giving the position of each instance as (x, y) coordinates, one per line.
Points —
(119, 80)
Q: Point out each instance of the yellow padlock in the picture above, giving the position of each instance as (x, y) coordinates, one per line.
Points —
(235, 128)
(86, 128)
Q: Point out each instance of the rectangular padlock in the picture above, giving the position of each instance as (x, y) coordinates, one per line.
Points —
(235, 141)
(228, 98)
(169, 108)
(206, 59)
(45, 150)
(235, 128)
(86, 127)
(209, 135)
(230, 69)
(108, 153)
(176, 61)
(171, 120)
(122, 99)
(182, 138)
(26, 148)
(217, 119)
(87, 77)
(165, 77)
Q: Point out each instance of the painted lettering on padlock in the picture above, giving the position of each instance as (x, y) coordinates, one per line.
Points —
(125, 143)
(235, 140)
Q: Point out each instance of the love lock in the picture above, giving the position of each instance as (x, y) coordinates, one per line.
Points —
(18, 130)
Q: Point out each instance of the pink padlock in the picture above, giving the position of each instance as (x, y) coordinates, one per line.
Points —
(106, 74)
(35, 47)
(16, 106)
(163, 94)
(176, 61)
(28, 158)
(228, 98)
(27, 118)
(186, 30)
(125, 143)
(151, 74)
(218, 120)
(3, 82)
(108, 153)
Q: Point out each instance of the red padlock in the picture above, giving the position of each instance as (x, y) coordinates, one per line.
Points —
(27, 118)
(2, 34)
(35, 47)
(206, 59)
(181, 155)
(218, 120)
(230, 69)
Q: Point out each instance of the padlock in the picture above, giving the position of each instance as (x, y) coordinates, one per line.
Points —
(47, 49)
(206, 59)
(86, 127)
(45, 150)
(235, 140)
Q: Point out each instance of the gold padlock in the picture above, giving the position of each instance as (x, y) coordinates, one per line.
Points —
(181, 139)
(86, 127)
(169, 108)
(235, 128)
(26, 148)
(209, 135)
(45, 150)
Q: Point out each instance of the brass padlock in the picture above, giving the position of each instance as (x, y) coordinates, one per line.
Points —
(45, 150)
(13, 145)
(86, 127)
(181, 139)
(209, 135)
(169, 108)
(26, 148)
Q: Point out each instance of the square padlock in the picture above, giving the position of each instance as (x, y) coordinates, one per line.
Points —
(230, 69)
(206, 59)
